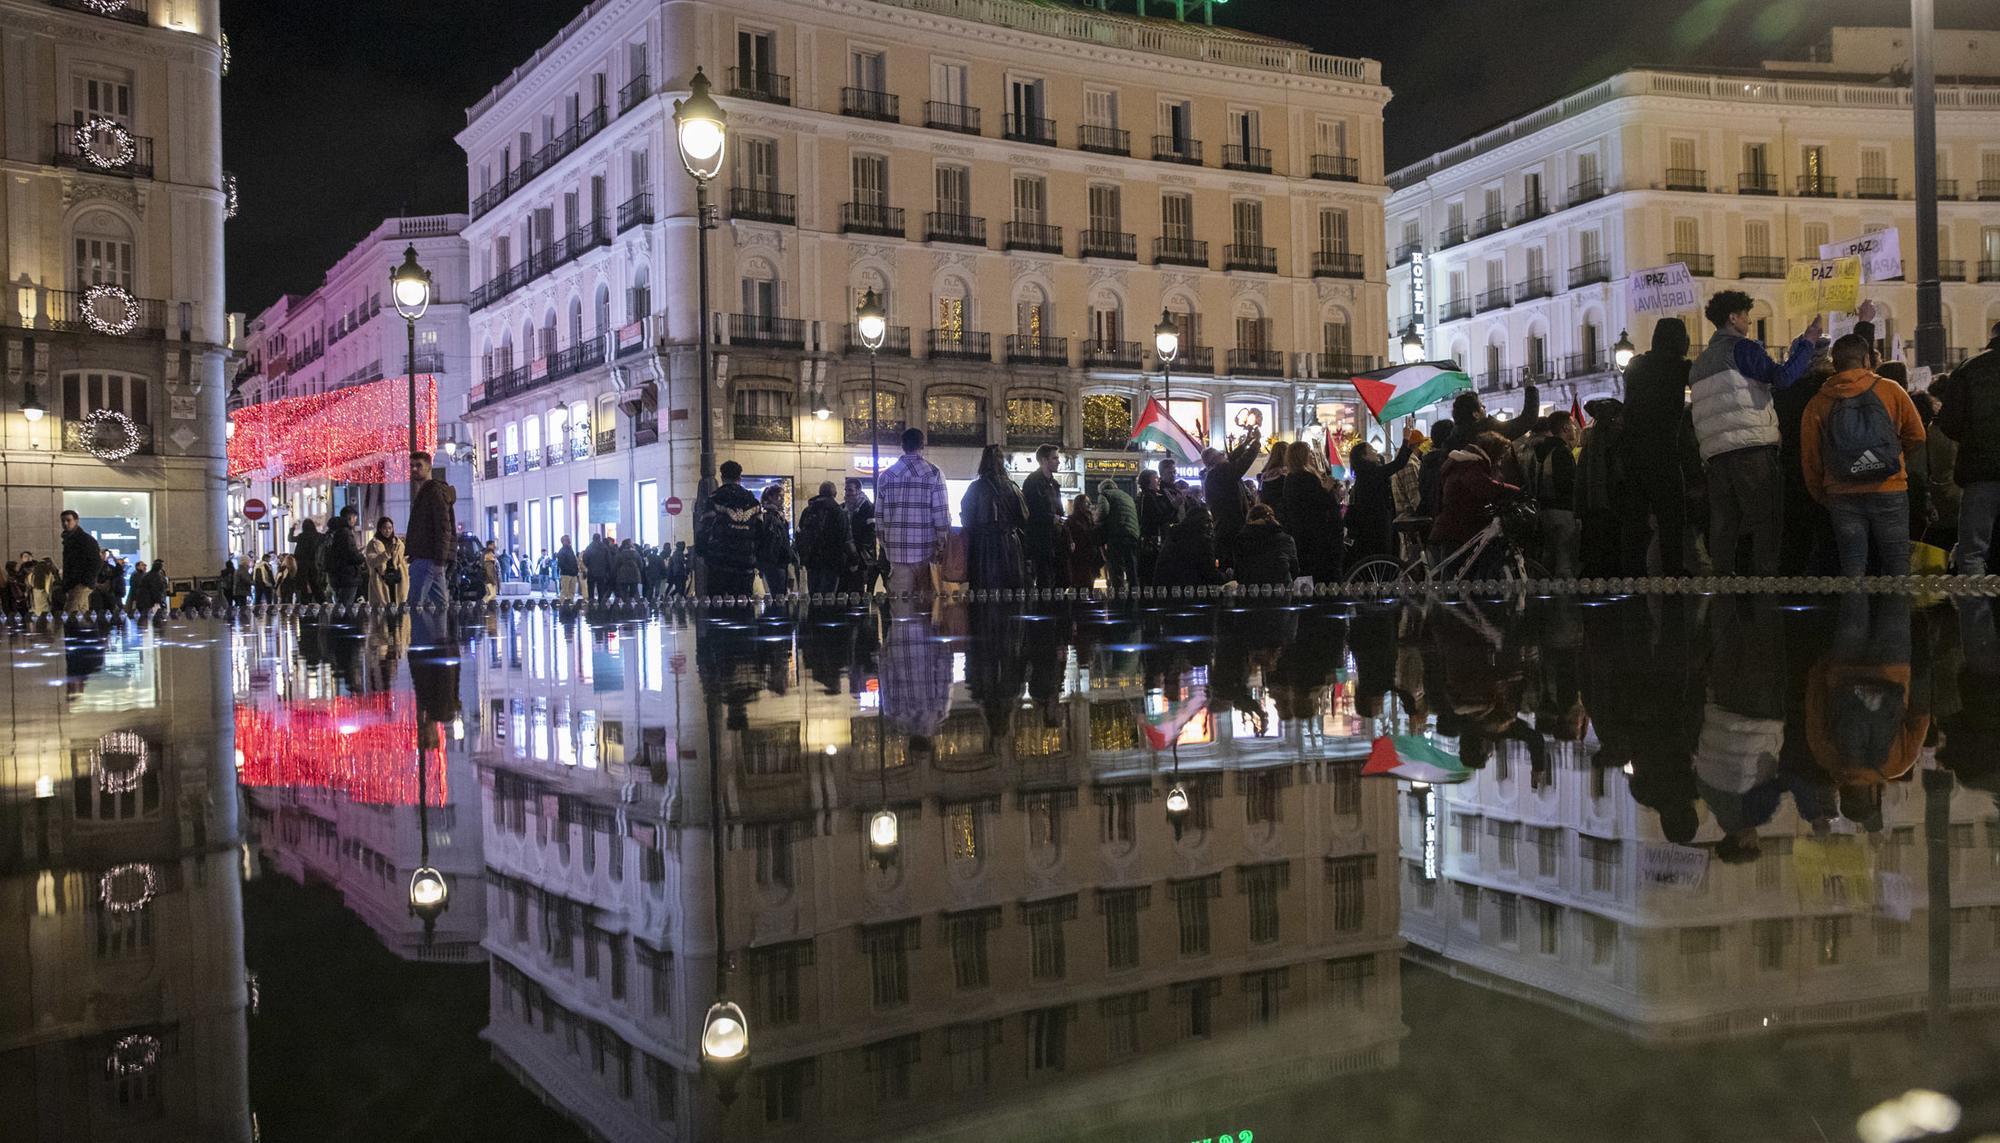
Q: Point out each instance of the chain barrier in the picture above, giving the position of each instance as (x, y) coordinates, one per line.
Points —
(1484, 589)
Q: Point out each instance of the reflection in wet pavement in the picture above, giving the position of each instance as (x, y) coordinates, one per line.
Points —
(1728, 867)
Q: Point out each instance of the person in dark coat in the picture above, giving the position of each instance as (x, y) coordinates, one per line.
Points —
(1971, 416)
(1118, 524)
(345, 564)
(81, 556)
(430, 540)
(1045, 537)
(727, 541)
(774, 543)
(1805, 543)
(1158, 511)
(599, 568)
(865, 564)
(1309, 509)
(1371, 507)
(1651, 453)
(994, 515)
(1084, 542)
(311, 569)
(1222, 489)
(1265, 554)
(1470, 491)
(826, 546)
(628, 571)
(1431, 468)
(1187, 553)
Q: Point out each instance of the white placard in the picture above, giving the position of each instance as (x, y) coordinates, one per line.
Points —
(1881, 254)
(1681, 866)
(1663, 289)
(1920, 378)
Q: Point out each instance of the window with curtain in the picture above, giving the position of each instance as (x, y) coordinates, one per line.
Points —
(1333, 230)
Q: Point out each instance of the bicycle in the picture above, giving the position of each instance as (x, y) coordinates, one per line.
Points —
(1512, 525)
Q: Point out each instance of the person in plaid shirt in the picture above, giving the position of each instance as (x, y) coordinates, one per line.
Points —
(911, 517)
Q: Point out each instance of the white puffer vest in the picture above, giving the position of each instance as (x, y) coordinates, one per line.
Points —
(1730, 411)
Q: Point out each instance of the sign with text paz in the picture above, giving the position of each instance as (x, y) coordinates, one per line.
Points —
(1663, 289)
(1828, 284)
(255, 510)
(1881, 254)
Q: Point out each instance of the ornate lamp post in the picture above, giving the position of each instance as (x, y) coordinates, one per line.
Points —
(873, 325)
(1413, 346)
(1167, 344)
(701, 132)
(410, 285)
(1623, 350)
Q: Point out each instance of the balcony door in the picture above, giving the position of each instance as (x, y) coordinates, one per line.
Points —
(949, 84)
(870, 71)
(757, 165)
(103, 252)
(755, 54)
(871, 182)
(954, 191)
(1333, 231)
(1100, 108)
(1105, 211)
(1031, 199)
(1025, 98)
(1247, 219)
(1176, 216)
(1330, 136)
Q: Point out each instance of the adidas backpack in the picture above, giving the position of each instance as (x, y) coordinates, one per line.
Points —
(1858, 441)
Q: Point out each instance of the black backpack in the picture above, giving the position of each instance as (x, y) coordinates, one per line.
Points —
(1867, 716)
(1858, 441)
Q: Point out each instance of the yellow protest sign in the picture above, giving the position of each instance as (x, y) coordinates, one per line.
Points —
(1827, 284)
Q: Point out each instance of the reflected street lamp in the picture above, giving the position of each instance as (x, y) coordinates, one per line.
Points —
(884, 835)
(410, 286)
(725, 1046)
(701, 131)
(1622, 351)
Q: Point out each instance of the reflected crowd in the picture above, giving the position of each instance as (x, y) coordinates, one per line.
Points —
(987, 871)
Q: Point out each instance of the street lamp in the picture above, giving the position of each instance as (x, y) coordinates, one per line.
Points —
(725, 1046)
(700, 129)
(429, 894)
(31, 404)
(1622, 351)
(1923, 100)
(1167, 343)
(1413, 346)
(410, 286)
(873, 325)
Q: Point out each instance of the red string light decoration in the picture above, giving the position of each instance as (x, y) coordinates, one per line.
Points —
(357, 435)
(364, 747)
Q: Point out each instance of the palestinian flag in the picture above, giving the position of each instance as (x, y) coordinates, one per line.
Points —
(1154, 427)
(1164, 729)
(1413, 757)
(1403, 389)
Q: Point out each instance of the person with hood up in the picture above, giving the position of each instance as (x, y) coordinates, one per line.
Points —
(1553, 465)
(1856, 431)
(1187, 551)
(1941, 496)
(1118, 524)
(1265, 554)
(1657, 426)
(728, 540)
(342, 555)
(1084, 542)
(1309, 509)
(431, 537)
(826, 545)
(1468, 493)
(1371, 507)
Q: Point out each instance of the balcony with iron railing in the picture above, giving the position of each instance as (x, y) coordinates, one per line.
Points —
(872, 218)
(592, 234)
(864, 103)
(1687, 179)
(1256, 362)
(633, 93)
(1113, 244)
(1180, 252)
(1259, 259)
(1237, 157)
(1756, 182)
(1454, 309)
(1951, 269)
(635, 211)
(1598, 270)
(1987, 190)
(551, 153)
(958, 345)
(1113, 354)
(1339, 168)
(507, 383)
(1528, 210)
(1585, 191)
(1947, 190)
(895, 341)
(1037, 349)
(762, 206)
(1874, 186)
(1195, 359)
(766, 331)
(1338, 264)
(1589, 364)
(1989, 270)
(950, 226)
(1538, 372)
(1405, 252)
(1177, 149)
(64, 310)
(607, 441)
(1487, 224)
(1452, 236)
(1760, 266)
(128, 11)
(854, 429)
(958, 117)
(1335, 366)
(1495, 298)
(105, 154)
(574, 359)
(1818, 186)
(775, 427)
(83, 436)
(758, 84)
(1699, 265)
(1038, 237)
(1103, 140)
(1538, 286)
(1028, 129)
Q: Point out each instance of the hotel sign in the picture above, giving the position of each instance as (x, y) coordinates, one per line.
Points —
(1419, 295)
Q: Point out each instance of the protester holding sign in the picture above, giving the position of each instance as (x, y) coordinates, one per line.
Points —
(1737, 431)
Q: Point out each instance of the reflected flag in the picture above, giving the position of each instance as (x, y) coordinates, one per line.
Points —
(1164, 729)
(1415, 758)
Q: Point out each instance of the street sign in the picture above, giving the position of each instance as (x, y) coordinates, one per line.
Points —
(255, 510)
(674, 505)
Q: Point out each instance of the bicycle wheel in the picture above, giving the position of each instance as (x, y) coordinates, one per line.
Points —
(1381, 569)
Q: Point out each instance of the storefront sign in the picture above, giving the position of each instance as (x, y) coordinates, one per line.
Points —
(1881, 254)
(1663, 289)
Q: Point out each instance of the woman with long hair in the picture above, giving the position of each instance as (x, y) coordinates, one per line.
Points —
(994, 515)
(1371, 510)
(388, 569)
(1086, 544)
(1309, 508)
(308, 579)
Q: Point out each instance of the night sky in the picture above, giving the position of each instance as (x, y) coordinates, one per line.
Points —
(337, 116)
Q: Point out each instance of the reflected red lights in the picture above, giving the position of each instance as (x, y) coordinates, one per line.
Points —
(364, 747)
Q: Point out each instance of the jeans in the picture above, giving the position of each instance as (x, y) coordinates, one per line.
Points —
(1746, 493)
(1864, 518)
(777, 578)
(1978, 504)
(1121, 566)
(1561, 537)
(429, 582)
(823, 580)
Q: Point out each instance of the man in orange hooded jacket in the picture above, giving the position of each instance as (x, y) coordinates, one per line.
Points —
(1863, 510)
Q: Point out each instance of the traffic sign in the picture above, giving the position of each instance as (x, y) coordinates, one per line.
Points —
(255, 510)
(674, 506)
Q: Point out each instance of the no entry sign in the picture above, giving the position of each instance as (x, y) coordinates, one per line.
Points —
(674, 505)
(255, 510)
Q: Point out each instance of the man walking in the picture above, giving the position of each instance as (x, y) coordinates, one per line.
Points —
(432, 532)
(912, 516)
(1736, 429)
(1971, 416)
(1857, 429)
(82, 559)
(1044, 540)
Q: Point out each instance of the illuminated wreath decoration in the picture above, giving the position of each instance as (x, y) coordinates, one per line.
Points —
(132, 1055)
(128, 318)
(229, 199)
(109, 435)
(127, 888)
(97, 126)
(122, 761)
(225, 52)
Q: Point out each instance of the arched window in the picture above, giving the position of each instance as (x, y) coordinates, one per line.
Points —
(602, 311)
(1107, 326)
(763, 409)
(1337, 358)
(549, 342)
(581, 439)
(1107, 420)
(558, 434)
(891, 413)
(955, 416)
(103, 251)
(531, 441)
(641, 301)
(505, 361)
(1034, 418)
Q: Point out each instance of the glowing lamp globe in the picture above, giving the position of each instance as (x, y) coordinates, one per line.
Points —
(700, 129)
(884, 831)
(1413, 348)
(410, 286)
(31, 404)
(1167, 337)
(725, 1034)
(1177, 800)
(1623, 351)
(428, 891)
(870, 321)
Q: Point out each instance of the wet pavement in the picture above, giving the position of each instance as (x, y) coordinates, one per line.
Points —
(1683, 867)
